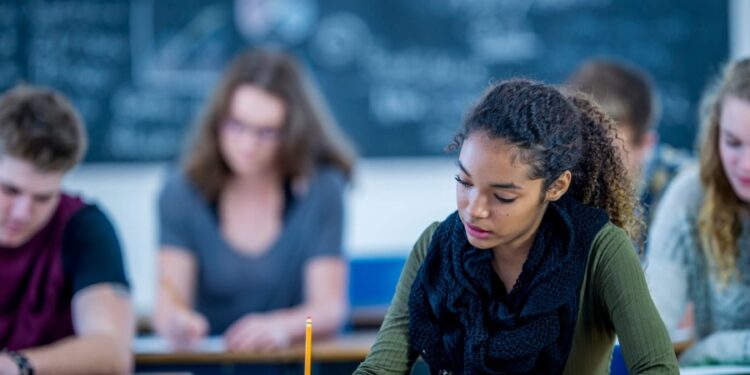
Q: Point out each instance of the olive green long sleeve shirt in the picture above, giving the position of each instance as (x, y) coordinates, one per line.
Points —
(614, 300)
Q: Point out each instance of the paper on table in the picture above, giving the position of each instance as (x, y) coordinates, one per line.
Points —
(159, 345)
(715, 370)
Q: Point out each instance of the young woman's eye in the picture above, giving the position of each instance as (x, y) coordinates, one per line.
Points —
(504, 200)
(733, 143)
(9, 190)
(462, 182)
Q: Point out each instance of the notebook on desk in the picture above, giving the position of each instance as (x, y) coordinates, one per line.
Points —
(159, 345)
(716, 370)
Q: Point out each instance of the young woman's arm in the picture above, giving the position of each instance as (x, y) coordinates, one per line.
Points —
(670, 239)
(391, 353)
(174, 315)
(622, 290)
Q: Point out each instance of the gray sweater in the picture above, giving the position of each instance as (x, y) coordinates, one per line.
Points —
(231, 284)
(678, 272)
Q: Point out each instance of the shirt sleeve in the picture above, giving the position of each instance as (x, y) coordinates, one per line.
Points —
(622, 290)
(328, 235)
(670, 239)
(174, 213)
(391, 353)
(91, 250)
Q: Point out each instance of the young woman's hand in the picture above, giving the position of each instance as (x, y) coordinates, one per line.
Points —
(257, 332)
(184, 328)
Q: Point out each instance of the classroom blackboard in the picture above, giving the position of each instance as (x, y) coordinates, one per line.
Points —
(398, 74)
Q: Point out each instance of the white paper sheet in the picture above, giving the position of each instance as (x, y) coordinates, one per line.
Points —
(159, 345)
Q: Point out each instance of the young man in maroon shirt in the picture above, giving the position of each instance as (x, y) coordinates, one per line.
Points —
(65, 306)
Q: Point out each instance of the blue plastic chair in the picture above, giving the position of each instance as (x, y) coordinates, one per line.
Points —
(372, 283)
(618, 366)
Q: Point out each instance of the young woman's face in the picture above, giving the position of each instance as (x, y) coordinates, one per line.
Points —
(497, 201)
(249, 137)
(734, 144)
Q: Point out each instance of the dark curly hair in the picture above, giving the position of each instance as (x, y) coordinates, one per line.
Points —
(556, 132)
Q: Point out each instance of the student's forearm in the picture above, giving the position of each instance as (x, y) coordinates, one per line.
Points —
(165, 309)
(93, 354)
(719, 347)
(327, 318)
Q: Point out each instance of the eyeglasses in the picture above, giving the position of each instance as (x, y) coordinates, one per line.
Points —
(263, 133)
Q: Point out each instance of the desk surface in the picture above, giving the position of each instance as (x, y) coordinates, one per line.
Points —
(350, 347)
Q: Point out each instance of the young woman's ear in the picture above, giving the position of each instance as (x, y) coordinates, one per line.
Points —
(559, 187)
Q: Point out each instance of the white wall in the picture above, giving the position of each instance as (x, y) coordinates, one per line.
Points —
(388, 206)
(127, 193)
(739, 22)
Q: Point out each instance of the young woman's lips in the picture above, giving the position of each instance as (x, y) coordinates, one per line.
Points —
(13, 228)
(744, 181)
(477, 232)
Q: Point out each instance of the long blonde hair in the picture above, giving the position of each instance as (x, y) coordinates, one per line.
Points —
(719, 219)
(311, 135)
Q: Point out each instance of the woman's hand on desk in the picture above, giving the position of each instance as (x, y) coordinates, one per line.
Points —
(184, 328)
(257, 332)
(723, 347)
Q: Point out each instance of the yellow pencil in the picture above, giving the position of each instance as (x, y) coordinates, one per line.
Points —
(308, 346)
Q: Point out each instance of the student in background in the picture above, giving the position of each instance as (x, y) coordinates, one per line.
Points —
(534, 273)
(251, 224)
(64, 302)
(699, 247)
(627, 95)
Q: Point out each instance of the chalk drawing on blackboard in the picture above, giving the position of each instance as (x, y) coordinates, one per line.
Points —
(418, 85)
(143, 67)
(554, 5)
(499, 32)
(339, 40)
(393, 105)
(675, 104)
(76, 48)
(190, 59)
(291, 21)
(138, 120)
(9, 71)
(427, 68)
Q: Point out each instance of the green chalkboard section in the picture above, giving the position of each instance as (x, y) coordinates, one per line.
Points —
(398, 74)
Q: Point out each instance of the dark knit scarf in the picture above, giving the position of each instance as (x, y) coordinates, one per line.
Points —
(462, 320)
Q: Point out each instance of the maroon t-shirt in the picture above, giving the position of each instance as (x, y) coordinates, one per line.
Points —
(77, 248)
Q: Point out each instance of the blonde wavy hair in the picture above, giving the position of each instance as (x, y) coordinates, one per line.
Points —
(719, 219)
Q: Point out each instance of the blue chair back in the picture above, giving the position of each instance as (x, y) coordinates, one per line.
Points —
(618, 366)
(372, 281)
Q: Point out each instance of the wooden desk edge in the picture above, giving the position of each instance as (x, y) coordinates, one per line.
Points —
(346, 348)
